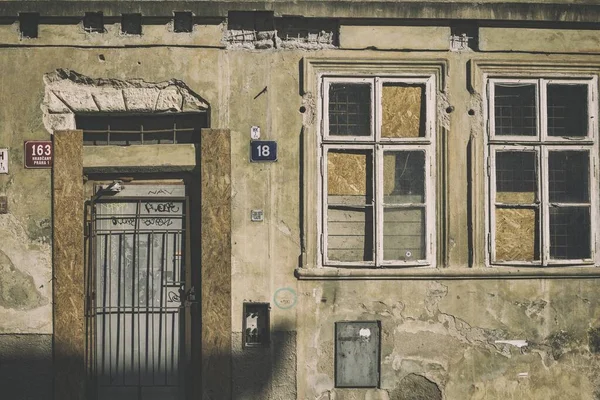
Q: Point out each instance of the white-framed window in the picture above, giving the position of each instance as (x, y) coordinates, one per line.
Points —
(377, 162)
(542, 152)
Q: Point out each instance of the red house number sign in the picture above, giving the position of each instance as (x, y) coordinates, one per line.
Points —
(38, 154)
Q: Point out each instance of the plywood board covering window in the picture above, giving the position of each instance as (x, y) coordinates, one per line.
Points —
(542, 168)
(403, 110)
(377, 164)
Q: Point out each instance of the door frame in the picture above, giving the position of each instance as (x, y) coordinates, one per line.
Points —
(91, 274)
(211, 358)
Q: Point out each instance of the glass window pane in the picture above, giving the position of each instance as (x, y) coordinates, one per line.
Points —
(404, 177)
(349, 177)
(350, 233)
(568, 173)
(567, 110)
(515, 109)
(350, 109)
(159, 130)
(125, 131)
(517, 234)
(569, 233)
(404, 234)
(95, 139)
(516, 177)
(403, 110)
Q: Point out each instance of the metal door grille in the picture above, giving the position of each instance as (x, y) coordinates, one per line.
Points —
(136, 285)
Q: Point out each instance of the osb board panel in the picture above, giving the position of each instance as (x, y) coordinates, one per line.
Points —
(389, 173)
(67, 215)
(516, 231)
(402, 110)
(346, 173)
(516, 197)
(215, 167)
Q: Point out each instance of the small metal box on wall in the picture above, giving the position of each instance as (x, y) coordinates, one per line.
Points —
(256, 325)
(357, 352)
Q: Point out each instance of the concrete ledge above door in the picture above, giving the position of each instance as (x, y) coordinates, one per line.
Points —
(139, 158)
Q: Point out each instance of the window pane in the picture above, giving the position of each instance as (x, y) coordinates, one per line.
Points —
(516, 177)
(404, 177)
(94, 139)
(403, 110)
(349, 191)
(568, 175)
(404, 234)
(350, 109)
(349, 176)
(159, 130)
(515, 109)
(350, 233)
(569, 233)
(125, 131)
(567, 110)
(517, 234)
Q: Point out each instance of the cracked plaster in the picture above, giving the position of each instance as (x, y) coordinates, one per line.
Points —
(435, 333)
(23, 285)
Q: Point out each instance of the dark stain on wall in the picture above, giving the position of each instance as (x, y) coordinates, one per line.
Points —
(594, 340)
(560, 343)
(40, 230)
(416, 387)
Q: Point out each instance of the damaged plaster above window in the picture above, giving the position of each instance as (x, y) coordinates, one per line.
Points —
(68, 93)
(260, 30)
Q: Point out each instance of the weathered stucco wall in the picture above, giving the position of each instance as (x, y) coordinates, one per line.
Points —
(438, 336)
(446, 332)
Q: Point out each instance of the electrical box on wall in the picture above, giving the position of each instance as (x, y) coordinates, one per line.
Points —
(357, 349)
(256, 325)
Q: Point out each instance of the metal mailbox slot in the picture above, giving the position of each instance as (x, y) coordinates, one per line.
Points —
(256, 325)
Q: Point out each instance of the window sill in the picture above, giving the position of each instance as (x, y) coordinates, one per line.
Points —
(329, 273)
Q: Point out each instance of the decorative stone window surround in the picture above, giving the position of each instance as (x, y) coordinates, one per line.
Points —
(314, 68)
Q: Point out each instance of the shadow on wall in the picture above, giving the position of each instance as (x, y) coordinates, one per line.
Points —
(26, 368)
(265, 372)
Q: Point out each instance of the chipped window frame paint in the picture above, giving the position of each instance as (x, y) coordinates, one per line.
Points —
(542, 144)
(378, 144)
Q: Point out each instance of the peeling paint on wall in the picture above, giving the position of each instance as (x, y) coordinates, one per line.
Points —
(25, 280)
(17, 289)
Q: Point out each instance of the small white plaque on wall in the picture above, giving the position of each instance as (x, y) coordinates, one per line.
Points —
(3, 161)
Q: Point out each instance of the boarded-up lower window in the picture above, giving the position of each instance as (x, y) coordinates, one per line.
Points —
(517, 237)
(350, 205)
(377, 169)
(517, 208)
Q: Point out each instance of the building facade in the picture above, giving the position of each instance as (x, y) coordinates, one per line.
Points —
(299, 200)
